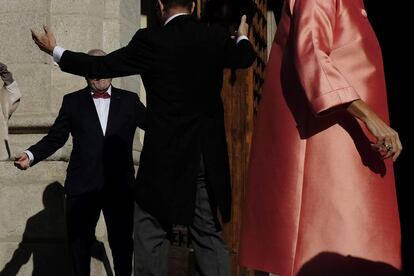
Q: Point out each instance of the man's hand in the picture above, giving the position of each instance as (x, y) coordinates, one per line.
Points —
(46, 42)
(22, 161)
(5, 74)
(243, 27)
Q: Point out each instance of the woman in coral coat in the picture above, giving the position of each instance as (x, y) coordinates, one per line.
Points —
(321, 198)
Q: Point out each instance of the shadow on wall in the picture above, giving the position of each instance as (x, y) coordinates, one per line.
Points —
(332, 264)
(45, 240)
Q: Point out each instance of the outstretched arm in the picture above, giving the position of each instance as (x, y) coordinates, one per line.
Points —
(135, 58)
(55, 139)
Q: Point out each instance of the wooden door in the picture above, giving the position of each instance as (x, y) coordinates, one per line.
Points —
(240, 94)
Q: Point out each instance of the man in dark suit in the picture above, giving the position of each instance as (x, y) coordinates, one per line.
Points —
(183, 175)
(102, 121)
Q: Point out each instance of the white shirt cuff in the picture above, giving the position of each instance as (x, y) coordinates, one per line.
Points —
(242, 37)
(57, 53)
(12, 87)
(30, 154)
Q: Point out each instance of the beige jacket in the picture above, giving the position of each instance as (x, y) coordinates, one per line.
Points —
(9, 100)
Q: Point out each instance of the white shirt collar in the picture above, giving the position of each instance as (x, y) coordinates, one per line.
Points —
(174, 16)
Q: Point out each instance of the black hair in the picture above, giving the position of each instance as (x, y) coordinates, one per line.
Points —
(168, 4)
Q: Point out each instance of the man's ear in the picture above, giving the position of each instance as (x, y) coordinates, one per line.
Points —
(192, 7)
(162, 8)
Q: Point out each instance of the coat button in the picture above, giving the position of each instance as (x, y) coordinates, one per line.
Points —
(364, 12)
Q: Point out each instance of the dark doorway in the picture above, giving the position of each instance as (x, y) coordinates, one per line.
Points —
(392, 25)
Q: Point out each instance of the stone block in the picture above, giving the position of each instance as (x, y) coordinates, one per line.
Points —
(62, 84)
(77, 7)
(31, 122)
(130, 10)
(112, 9)
(20, 142)
(16, 45)
(127, 30)
(34, 84)
(132, 83)
(43, 173)
(111, 35)
(24, 6)
(78, 32)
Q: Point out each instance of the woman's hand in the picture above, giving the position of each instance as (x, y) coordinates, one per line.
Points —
(388, 142)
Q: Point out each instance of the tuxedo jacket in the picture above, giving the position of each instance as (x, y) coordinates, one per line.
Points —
(9, 101)
(96, 159)
(181, 65)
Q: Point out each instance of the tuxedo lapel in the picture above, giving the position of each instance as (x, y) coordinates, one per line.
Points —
(90, 112)
(114, 108)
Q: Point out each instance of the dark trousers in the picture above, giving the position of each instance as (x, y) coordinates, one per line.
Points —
(152, 243)
(82, 215)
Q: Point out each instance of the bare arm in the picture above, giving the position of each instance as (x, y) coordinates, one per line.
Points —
(388, 141)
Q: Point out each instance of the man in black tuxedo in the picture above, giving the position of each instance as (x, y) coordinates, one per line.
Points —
(102, 121)
(183, 176)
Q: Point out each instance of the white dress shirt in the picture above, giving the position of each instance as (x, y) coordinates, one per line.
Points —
(174, 16)
(102, 109)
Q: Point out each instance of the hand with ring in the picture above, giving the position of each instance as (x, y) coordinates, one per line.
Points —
(388, 147)
(388, 142)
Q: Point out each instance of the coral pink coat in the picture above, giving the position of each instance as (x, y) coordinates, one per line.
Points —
(315, 185)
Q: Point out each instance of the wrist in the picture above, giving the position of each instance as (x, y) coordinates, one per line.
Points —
(52, 48)
(57, 53)
(241, 37)
(359, 109)
(30, 156)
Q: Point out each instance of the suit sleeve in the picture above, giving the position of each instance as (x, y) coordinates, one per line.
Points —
(57, 136)
(237, 55)
(133, 59)
(313, 34)
(141, 114)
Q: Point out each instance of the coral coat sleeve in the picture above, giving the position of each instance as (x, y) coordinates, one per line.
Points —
(313, 32)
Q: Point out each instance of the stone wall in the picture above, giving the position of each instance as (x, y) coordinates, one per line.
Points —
(32, 232)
